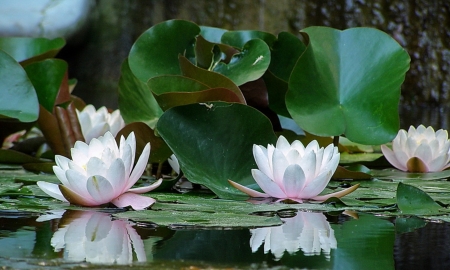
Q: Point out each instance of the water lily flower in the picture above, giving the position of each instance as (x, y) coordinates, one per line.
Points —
(101, 172)
(95, 123)
(293, 172)
(95, 238)
(419, 150)
(173, 162)
(310, 232)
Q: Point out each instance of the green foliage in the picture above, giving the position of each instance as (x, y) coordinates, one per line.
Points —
(348, 82)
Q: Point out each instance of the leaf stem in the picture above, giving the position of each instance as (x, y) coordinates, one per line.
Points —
(336, 141)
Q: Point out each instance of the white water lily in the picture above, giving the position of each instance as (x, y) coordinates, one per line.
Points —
(173, 162)
(95, 123)
(310, 232)
(419, 150)
(95, 238)
(101, 172)
(293, 172)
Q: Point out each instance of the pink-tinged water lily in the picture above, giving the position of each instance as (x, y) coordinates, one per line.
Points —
(101, 172)
(419, 150)
(95, 123)
(95, 238)
(173, 162)
(309, 232)
(293, 172)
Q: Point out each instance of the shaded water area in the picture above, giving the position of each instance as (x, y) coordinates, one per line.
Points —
(306, 240)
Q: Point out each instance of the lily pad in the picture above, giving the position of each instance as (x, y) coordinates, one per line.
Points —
(47, 76)
(19, 99)
(413, 201)
(156, 51)
(248, 65)
(136, 102)
(348, 82)
(401, 175)
(28, 50)
(214, 149)
(239, 38)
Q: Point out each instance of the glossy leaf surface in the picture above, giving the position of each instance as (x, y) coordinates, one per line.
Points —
(31, 49)
(348, 82)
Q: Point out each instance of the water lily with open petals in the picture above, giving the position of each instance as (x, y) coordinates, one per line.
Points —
(95, 123)
(293, 172)
(419, 150)
(101, 172)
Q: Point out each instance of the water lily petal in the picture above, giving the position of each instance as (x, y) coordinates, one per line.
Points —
(173, 162)
(439, 163)
(139, 167)
(424, 153)
(116, 176)
(75, 198)
(96, 166)
(283, 144)
(317, 185)
(248, 191)
(137, 202)
(294, 180)
(77, 182)
(338, 194)
(262, 161)
(146, 188)
(308, 166)
(100, 189)
(61, 175)
(62, 162)
(268, 185)
(391, 158)
(279, 165)
(131, 141)
(51, 190)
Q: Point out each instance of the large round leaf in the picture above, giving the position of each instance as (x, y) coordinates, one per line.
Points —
(156, 51)
(213, 142)
(136, 101)
(18, 97)
(47, 77)
(248, 65)
(31, 49)
(239, 38)
(348, 82)
(212, 34)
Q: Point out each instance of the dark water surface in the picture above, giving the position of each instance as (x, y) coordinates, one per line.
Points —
(93, 240)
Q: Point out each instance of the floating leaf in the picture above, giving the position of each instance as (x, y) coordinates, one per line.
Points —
(18, 97)
(413, 201)
(136, 102)
(348, 82)
(212, 149)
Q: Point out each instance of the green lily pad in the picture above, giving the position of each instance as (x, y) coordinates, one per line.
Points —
(248, 65)
(214, 149)
(18, 97)
(28, 50)
(47, 76)
(413, 201)
(401, 175)
(409, 224)
(348, 82)
(212, 34)
(14, 157)
(239, 38)
(156, 51)
(136, 102)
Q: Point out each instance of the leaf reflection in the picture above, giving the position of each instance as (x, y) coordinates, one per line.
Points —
(94, 237)
(307, 231)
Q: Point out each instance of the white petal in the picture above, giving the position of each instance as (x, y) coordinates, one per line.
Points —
(116, 176)
(51, 190)
(283, 144)
(294, 180)
(61, 175)
(100, 189)
(267, 185)
(137, 202)
(262, 161)
(62, 162)
(146, 188)
(279, 165)
(424, 153)
(317, 185)
(131, 140)
(139, 168)
(308, 166)
(96, 166)
(77, 182)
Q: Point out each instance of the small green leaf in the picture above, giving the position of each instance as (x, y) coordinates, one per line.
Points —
(413, 201)
(410, 224)
(248, 65)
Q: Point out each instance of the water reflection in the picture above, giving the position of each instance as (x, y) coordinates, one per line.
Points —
(310, 232)
(94, 237)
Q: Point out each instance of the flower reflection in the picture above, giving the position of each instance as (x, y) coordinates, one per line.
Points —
(93, 237)
(309, 232)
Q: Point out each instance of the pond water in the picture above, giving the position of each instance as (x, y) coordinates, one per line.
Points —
(306, 240)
